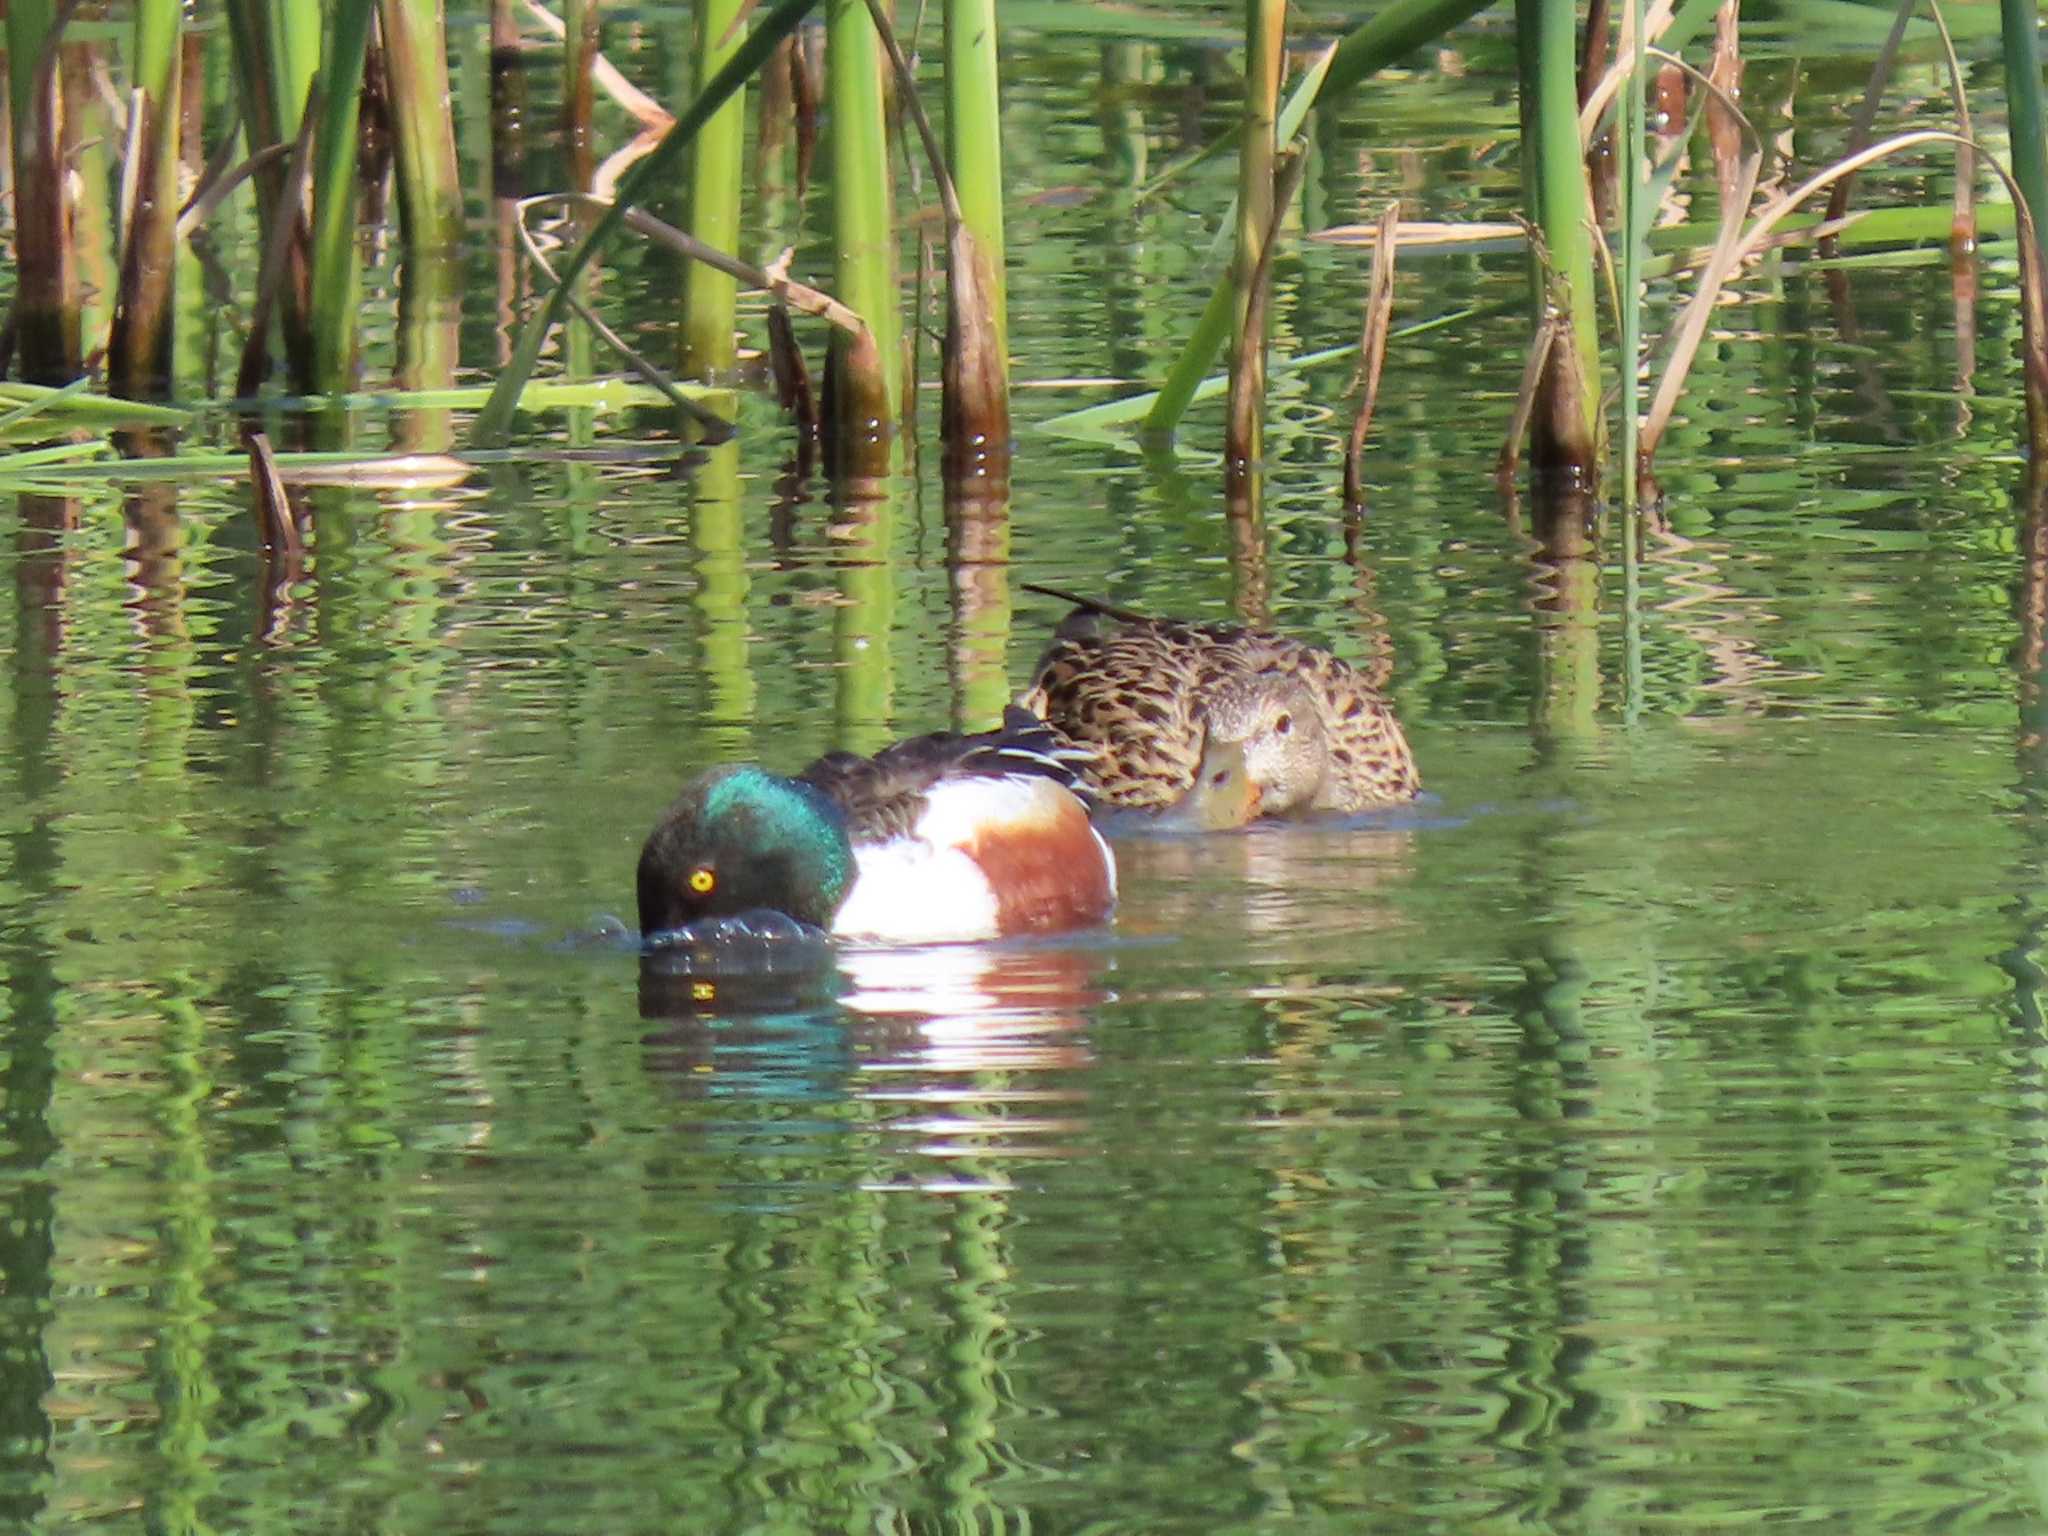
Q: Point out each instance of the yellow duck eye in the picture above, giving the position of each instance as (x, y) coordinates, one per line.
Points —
(702, 881)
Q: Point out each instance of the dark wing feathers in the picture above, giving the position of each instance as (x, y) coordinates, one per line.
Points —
(883, 796)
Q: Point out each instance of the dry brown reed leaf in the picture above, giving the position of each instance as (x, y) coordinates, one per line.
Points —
(1525, 396)
(1372, 349)
(1721, 262)
(383, 471)
(1726, 123)
(774, 278)
(1418, 232)
(220, 178)
(610, 171)
(1729, 254)
(644, 109)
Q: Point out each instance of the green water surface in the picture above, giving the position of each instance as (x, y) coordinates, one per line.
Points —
(1649, 1132)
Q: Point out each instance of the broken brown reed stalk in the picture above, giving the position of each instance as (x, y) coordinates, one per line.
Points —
(1864, 121)
(1730, 253)
(974, 412)
(277, 530)
(1248, 370)
(1727, 125)
(275, 521)
(1372, 349)
(582, 27)
(792, 377)
(291, 230)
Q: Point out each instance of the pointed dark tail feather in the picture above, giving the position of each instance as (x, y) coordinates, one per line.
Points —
(1092, 604)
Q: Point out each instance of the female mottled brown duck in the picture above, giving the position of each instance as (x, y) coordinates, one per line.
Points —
(1213, 725)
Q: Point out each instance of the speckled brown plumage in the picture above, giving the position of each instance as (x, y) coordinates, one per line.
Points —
(1139, 692)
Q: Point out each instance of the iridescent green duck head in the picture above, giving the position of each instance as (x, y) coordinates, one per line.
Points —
(741, 839)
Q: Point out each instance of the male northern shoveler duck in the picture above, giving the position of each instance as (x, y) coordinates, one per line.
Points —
(941, 837)
(1214, 724)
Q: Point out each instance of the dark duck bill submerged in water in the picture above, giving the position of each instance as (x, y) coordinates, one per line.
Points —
(943, 837)
(1214, 725)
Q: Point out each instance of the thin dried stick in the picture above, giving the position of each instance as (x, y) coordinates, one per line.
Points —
(1372, 348)
(709, 419)
(775, 279)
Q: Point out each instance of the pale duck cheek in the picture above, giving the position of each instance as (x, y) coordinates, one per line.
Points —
(908, 890)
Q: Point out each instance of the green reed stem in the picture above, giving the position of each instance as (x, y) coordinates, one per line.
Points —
(1265, 23)
(493, 423)
(296, 34)
(974, 143)
(1566, 419)
(718, 538)
(864, 383)
(1633, 192)
(429, 180)
(336, 276)
(139, 352)
(711, 297)
(862, 620)
(2021, 20)
(582, 30)
(1394, 33)
(93, 170)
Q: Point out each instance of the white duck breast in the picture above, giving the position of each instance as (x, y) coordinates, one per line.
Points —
(928, 886)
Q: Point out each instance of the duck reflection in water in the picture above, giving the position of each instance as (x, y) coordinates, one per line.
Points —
(976, 1050)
